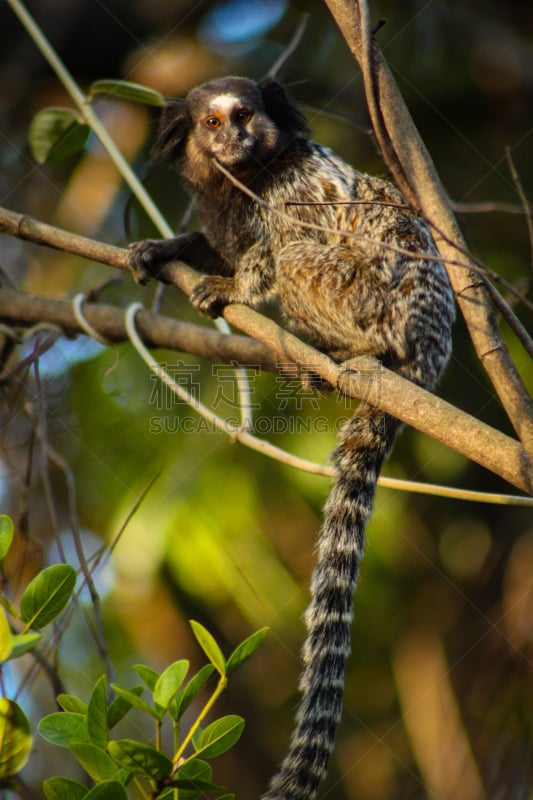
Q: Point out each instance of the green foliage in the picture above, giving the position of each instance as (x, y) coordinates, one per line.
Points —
(243, 652)
(193, 687)
(64, 727)
(210, 647)
(42, 601)
(219, 736)
(6, 637)
(15, 738)
(140, 759)
(23, 643)
(107, 790)
(95, 761)
(6, 535)
(168, 683)
(63, 789)
(85, 729)
(193, 777)
(47, 595)
(127, 91)
(56, 133)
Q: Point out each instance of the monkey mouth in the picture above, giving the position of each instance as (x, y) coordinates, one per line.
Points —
(234, 152)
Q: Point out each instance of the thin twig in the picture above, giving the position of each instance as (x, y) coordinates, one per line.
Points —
(523, 199)
(97, 632)
(512, 320)
(291, 47)
(489, 207)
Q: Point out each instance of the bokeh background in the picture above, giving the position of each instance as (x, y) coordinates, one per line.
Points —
(439, 699)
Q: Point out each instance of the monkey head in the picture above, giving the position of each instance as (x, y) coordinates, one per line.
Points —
(239, 123)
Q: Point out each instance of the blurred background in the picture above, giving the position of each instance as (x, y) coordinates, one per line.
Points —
(439, 700)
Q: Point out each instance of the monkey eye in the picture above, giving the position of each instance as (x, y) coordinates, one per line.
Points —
(244, 116)
(212, 122)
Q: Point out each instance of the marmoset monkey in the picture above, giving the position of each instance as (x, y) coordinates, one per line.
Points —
(354, 272)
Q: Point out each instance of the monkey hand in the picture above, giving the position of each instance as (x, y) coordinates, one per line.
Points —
(148, 257)
(211, 294)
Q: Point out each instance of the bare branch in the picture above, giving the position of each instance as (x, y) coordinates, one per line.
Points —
(489, 207)
(291, 47)
(523, 199)
(24, 310)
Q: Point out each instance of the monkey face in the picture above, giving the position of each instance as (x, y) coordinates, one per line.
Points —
(230, 124)
(241, 124)
(227, 129)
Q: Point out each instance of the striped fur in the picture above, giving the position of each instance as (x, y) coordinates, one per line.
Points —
(361, 277)
(365, 443)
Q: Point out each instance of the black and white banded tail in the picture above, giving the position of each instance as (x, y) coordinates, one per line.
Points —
(365, 442)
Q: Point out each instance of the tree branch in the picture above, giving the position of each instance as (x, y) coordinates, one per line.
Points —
(365, 378)
(411, 166)
(24, 310)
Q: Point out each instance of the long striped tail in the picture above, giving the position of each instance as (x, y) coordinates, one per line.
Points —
(365, 442)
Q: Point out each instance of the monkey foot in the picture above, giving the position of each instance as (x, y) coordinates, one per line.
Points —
(211, 295)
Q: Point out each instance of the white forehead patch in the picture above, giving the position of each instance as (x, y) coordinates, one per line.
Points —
(225, 102)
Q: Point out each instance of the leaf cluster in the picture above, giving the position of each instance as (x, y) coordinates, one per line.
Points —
(43, 599)
(57, 133)
(85, 729)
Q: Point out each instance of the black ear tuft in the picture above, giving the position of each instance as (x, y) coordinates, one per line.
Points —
(281, 108)
(171, 133)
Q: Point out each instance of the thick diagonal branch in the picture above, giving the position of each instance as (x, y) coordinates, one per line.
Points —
(412, 168)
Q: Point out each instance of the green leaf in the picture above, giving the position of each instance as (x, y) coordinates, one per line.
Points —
(229, 796)
(140, 759)
(64, 789)
(194, 777)
(245, 650)
(6, 535)
(166, 794)
(169, 683)
(6, 637)
(9, 607)
(69, 702)
(15, 738)
(64, 728)
(24, 642)
(219, 736)
(47, 595)
(97, 714)
(209, 646)
(107, 790)
(148, 675)
(135, 700)
(196, 770)
(118, 709)
(128, 91)
(194, 787)
(94, 761)
(185, 697)
(56, 133)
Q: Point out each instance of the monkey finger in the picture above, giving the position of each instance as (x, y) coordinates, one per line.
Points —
(146, 259)
(210, 295)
